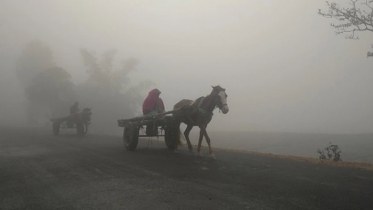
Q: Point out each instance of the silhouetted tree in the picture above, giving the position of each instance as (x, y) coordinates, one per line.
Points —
(101, 73)
(108, 89)
(36, 57)
(52, 89)
(357, 17)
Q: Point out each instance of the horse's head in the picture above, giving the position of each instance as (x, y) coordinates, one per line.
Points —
(220, 98)
(86, 114)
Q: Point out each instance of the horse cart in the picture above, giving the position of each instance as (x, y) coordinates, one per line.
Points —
(156, 125)
(78, 121)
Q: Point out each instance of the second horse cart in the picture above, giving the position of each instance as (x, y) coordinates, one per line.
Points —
(78, 121)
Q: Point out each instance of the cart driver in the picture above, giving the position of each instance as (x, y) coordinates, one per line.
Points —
(74, 108)
(153, 104)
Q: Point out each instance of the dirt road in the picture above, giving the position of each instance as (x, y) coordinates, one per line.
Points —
(40, 171)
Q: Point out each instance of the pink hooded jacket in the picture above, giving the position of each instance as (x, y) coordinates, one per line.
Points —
(153, 102)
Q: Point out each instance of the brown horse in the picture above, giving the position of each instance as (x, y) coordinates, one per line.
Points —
(201, 115)
(85, 115)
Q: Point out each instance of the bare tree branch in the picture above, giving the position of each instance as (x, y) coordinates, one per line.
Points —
(352, 20)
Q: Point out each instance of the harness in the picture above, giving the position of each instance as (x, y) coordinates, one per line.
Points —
(203, 112)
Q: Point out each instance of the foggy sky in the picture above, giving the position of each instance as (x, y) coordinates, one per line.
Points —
(282, 65)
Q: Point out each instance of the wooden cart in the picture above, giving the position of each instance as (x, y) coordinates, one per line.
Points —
(162, 124)
(78, 121)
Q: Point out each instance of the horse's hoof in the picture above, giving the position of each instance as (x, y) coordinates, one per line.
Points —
(213, 156)
(199, 154)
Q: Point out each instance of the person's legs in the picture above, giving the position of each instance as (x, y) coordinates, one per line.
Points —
(151, 130)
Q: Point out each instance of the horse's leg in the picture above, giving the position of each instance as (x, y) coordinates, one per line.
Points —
(186, 134)
(203, 130)
(200, 142)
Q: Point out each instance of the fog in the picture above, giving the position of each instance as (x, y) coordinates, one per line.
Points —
(282, 65)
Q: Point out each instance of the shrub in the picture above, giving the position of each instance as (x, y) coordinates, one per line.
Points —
(330, 152)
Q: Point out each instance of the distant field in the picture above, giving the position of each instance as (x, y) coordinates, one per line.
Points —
(354, 147)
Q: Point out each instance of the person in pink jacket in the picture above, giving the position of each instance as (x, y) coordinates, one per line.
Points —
(153, 104)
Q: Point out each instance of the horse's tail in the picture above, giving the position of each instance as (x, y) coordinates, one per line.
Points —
(181, 138)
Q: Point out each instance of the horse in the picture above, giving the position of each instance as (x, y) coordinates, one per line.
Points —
(85, 115)
(201, 114)
(82, 120)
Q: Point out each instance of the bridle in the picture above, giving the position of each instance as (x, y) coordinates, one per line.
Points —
(218, 102)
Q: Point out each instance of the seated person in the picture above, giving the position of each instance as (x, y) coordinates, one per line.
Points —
(153, 104)
(73, 110)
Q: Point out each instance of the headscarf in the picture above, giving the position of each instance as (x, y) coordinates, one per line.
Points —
(153, 102)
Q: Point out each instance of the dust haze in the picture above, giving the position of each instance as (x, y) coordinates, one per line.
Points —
(280, 63)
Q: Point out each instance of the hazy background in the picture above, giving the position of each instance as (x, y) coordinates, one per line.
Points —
(282, 65)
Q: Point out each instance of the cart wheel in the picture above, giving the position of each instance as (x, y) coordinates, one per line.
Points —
(80, 128)
(56, 128)
(171, 135)
(130, 136)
